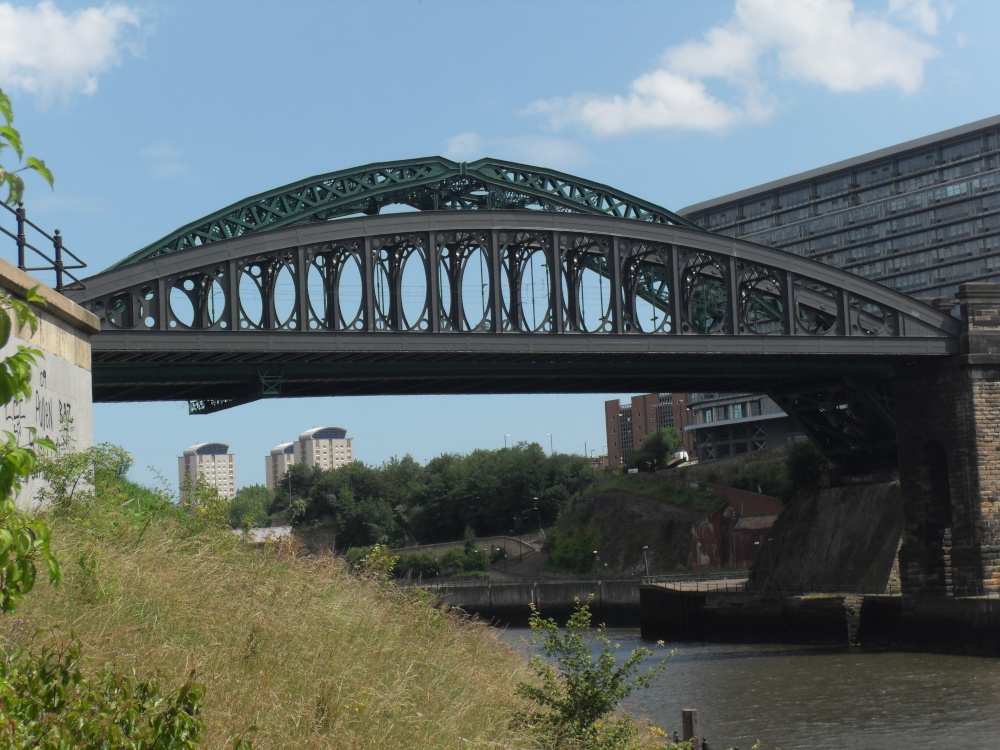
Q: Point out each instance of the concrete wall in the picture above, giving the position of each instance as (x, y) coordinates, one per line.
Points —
(942, 624)
(513, 546)
(615, 603)
(679, 615)
(61, 381)
(837, 539)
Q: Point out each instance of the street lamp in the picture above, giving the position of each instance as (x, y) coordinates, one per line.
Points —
(551, 452)
(539, 513)
(505, 439)
(645, 562)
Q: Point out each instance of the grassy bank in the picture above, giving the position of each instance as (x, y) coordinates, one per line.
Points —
(662, 489)
(298, 648)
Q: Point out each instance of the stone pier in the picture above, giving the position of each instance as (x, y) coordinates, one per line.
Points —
(948, 433)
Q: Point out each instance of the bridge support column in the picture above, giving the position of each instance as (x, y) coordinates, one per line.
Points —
(948, 430)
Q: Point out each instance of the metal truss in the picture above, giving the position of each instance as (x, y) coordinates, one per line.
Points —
(853, 422)
(511, 272)
(511, 302)
(430, 184)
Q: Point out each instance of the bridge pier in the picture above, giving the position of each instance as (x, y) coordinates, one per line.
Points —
(948, 432)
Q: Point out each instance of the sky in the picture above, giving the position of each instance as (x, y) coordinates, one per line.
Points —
(153, 114)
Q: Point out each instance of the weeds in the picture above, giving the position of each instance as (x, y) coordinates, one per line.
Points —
(576, 694)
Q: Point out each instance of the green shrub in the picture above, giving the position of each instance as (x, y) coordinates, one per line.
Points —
(576, 693)
(46, 701)
(460, 561)
(574, 554)
(417, 565)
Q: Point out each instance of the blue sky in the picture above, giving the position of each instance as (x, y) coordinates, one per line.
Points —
(153, 114)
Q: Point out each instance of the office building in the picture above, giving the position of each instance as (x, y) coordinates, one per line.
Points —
(322, 447)
(921, 217)
(210, 462)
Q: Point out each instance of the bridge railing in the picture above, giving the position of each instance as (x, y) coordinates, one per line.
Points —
(61, 260)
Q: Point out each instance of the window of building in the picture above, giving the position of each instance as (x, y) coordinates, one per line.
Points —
(795, 197)
(872, 175)
(833, 186)
(915, 163)
(962, 150)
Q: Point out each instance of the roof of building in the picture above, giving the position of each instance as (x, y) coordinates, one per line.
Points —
(282, 449)
(324, 433)
(751, 523)
(812, 174)
(207, 449)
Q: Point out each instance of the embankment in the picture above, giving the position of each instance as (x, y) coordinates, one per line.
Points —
(836, 539)
(614, 603)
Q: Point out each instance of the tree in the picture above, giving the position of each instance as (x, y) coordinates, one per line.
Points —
(656, 449)
(11, 138)
(577, 690)
(24, 541)
(249, 507)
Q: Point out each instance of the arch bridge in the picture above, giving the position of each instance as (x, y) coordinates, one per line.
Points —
(492, 277)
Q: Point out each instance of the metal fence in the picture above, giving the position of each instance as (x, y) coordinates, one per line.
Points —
(58, 260)
(704, 579)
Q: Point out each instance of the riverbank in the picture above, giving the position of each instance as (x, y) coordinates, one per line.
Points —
(293, 650)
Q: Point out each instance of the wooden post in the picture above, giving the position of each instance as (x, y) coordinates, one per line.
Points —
(689, 724)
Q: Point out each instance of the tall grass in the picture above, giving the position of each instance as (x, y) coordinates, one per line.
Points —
(295, 652)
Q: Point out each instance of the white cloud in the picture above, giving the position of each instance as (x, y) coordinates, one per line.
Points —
(463, 147)
(47, 52)
(827, 42)
(722, 80)
(922, 14)
(166, 161)
(552, 152)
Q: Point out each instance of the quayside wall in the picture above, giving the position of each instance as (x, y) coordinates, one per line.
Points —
(614, 603)
(941, 624)
(933, 624)
(671, 614)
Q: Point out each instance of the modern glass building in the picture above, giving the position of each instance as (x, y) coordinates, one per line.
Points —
(922, 217)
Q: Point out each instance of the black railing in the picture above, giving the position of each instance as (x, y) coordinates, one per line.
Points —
(57, 264)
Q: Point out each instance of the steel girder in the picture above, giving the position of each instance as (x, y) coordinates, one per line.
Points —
(853, 422)
(510, 302)
(430, 184)
(511, 272)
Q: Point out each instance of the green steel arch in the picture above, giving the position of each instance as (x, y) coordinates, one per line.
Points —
(430, 184)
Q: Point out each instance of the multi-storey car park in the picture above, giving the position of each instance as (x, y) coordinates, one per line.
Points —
(921, 217)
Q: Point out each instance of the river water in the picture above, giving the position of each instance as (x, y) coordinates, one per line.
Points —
(794, 697)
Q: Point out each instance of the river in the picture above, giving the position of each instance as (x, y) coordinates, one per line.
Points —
(793, 697)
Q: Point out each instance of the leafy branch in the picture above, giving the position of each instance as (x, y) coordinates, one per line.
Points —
(11, 138)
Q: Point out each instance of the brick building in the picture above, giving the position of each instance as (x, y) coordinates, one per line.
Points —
(627, 425)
